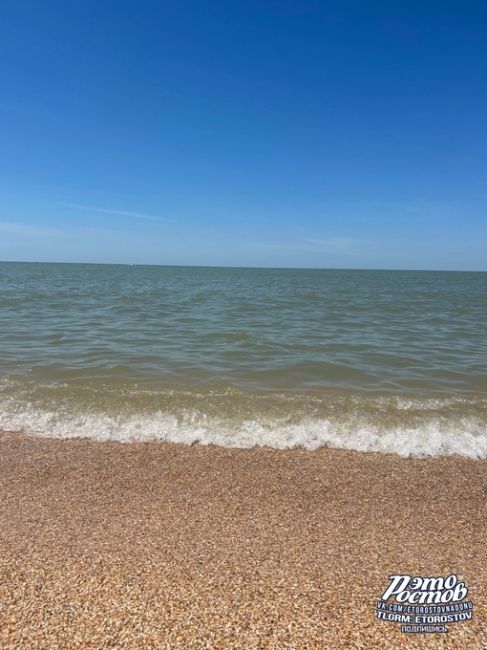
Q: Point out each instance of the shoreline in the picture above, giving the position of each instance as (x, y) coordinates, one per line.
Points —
(165, 545)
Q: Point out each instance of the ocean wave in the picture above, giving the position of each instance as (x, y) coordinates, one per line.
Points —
(232, 418)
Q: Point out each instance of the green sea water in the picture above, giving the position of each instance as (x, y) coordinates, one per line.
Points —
(389, 361)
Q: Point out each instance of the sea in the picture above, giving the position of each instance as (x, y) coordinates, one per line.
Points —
(374, 361)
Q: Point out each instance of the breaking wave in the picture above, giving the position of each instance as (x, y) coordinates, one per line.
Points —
(229, 417)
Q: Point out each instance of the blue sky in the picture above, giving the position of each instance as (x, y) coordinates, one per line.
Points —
(260, 133)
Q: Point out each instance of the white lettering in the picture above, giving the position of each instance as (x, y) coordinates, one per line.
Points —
(398, 584)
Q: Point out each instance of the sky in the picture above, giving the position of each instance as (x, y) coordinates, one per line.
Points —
(244, 133)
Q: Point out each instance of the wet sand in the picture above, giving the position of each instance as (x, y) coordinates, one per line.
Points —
(105, 545)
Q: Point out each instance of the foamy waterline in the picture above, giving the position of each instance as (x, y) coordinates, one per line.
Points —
(433, 438)
(231, 417)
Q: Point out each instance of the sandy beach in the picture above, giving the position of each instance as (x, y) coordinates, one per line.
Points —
(170, 546)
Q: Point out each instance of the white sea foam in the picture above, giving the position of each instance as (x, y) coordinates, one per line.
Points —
(433, 437)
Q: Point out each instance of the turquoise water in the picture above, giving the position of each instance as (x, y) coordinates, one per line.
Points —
(372, 360)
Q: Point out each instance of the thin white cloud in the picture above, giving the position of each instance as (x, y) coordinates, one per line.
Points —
(122, 213)
(335, 244)
(342, 245)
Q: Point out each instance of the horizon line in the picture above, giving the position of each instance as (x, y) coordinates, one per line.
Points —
(269, 268)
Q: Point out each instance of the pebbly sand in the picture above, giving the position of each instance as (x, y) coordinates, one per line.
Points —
(105, 545)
